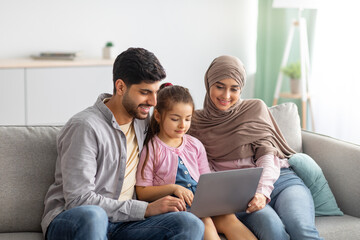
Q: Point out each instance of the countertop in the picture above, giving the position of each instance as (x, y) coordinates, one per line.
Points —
(31, 63)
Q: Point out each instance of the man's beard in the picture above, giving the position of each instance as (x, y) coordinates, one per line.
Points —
(132, 108)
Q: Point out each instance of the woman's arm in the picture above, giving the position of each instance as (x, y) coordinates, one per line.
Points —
(271, 172)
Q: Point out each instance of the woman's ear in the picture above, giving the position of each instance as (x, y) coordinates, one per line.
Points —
(157, 116)
(120, 87)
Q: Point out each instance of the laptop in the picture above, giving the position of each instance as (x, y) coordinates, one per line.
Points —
(225, 192)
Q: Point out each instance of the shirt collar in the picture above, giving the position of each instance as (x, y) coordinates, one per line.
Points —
(177, 150)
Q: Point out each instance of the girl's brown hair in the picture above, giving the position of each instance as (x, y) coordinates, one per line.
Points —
(167, 97)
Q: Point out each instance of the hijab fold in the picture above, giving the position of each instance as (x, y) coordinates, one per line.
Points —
(246, 129)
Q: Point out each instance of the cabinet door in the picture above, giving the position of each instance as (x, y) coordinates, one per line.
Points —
(12, 101)
(56, 94)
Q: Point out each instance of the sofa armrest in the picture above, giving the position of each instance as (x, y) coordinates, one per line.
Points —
(340, 163)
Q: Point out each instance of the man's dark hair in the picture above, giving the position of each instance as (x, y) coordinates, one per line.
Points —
(136, 65)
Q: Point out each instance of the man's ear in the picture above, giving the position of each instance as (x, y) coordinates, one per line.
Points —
(120, 87)
(157, 116)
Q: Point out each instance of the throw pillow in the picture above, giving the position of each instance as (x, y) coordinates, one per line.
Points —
(287, 117)
(308, 170)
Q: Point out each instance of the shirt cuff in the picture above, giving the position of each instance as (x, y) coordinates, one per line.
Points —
(138, 210)
(266, 191)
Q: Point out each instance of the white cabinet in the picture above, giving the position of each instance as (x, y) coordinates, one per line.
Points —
(12, 97)
(38, 93)
(56, 94)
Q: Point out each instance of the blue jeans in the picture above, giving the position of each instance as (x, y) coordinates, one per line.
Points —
(289, 215)
(91, 222)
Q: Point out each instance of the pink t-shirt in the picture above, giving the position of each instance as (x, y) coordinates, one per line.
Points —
(163, 169)
(271, 170)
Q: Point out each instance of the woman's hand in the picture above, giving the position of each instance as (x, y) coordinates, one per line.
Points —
(257, 203)
(184, 194)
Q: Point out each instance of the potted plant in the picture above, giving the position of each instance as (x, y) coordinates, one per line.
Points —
(107, 50)
(293, 71)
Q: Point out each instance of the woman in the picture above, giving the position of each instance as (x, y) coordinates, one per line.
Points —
(240, 133)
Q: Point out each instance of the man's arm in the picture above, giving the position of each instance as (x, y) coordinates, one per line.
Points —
(78, 150)
(164, 205)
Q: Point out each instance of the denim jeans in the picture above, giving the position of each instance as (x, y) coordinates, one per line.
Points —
(91, 223)
(289, 215)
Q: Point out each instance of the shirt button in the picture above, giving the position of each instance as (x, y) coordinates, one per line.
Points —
(186, 172)
(181, 162)
(189, 185)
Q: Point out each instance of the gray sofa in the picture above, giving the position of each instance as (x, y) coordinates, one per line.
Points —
(28, 154)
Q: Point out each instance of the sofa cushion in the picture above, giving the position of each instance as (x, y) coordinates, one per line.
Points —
(287, 117)
(27, 163)
(22, 236)
(308, 170)
(338, 227)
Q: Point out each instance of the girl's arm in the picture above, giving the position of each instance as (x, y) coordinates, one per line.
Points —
(202, 160)
(152, 193)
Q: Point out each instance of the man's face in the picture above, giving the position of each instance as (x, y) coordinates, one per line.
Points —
(139, 98)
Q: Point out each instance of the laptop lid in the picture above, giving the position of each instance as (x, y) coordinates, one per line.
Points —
(225, 192)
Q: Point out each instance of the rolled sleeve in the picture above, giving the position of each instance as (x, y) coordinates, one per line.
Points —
(138, 210)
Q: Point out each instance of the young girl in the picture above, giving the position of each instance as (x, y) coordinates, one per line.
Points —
(172, 161)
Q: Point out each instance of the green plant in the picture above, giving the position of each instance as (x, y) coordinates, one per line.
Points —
(293, 70)
(109, 44)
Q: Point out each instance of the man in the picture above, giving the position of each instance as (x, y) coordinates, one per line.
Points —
(98, 148)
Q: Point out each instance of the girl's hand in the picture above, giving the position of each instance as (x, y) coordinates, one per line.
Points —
(184, 194)
(257, 203)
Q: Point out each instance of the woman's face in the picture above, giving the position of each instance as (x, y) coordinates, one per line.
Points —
(225, 93)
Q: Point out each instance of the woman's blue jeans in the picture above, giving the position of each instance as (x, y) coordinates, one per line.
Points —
(289, 215)
(91, 223)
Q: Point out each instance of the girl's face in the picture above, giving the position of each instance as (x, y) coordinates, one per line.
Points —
(174, 123)
(225, 93)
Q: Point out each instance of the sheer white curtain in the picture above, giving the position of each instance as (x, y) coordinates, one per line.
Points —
(335, 81)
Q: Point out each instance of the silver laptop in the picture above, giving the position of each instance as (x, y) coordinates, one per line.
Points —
(225, 192)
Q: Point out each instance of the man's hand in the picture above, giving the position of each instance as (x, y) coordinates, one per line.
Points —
(164, 205)
(257, 203)
(184, 194)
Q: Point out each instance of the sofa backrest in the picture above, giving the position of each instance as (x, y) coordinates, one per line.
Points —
(287, 117)
(27, 164)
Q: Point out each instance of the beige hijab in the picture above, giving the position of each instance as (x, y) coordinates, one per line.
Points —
(247, 129)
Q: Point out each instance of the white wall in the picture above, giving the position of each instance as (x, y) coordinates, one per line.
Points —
(184, 34)
(335, 80)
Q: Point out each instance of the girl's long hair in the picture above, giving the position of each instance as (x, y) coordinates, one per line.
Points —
(167, 97)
